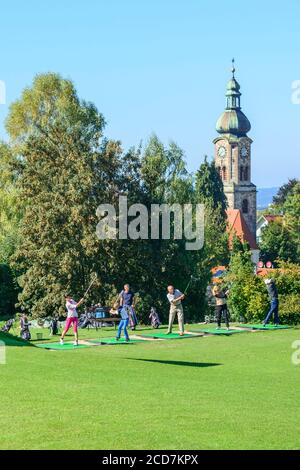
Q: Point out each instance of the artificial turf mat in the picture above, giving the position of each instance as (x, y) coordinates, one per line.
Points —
(161, 335)
(66, 346)
(114, 341)
(220, 331)
(266, 327)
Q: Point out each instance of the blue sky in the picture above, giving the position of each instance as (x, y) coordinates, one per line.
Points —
(162, 66)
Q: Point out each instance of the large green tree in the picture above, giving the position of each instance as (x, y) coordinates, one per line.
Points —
(65, 172)
(280, 239)
(209, 191)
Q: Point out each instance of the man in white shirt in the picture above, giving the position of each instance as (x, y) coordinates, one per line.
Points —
(175, 297)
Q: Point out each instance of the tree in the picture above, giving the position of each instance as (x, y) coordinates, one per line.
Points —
(10, 215)
(209, 188)
(65, 172)
(209, 191)
(248, 299)
(165, 180)
(281, 239)
(292, 219)
(284, 191)
(277, 243)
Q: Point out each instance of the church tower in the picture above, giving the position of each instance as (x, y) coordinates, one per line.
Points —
(233, 155)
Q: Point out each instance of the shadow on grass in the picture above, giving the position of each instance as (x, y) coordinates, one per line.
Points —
(178, 363)
(11, 340)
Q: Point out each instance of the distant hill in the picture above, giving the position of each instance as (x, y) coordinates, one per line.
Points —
(265, 197)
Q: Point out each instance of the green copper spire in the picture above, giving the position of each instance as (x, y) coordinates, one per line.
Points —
(233, 120)
(233, 92)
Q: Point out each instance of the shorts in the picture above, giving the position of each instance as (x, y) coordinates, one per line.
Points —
(69, 322)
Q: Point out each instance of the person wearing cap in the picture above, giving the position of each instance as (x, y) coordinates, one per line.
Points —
(273, 294)
(175, 297)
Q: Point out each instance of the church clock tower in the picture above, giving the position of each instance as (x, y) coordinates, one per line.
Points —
(233, 155)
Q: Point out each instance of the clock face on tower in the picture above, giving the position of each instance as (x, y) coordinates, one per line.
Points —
(222, 151)
(244, 152)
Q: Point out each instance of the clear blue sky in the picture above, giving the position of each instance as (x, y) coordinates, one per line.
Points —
(162, 66)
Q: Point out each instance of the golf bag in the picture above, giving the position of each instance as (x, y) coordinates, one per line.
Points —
(84, 321)
(8, 325)
(132, 318)
(53, 327)
(155, 320)
(25, 332)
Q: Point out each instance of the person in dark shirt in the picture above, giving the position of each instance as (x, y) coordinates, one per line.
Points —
(273, 294)
(126, 299)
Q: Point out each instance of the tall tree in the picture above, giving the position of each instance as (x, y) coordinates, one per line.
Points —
(65, 172)
(209, 191)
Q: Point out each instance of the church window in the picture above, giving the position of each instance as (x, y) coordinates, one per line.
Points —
(246, 173)
(242, 173)
(245, 206)
(224, 173)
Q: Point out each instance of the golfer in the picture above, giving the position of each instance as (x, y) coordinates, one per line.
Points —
(72, 318)
(221, 305)
(273, 294)
(126, 299)
(175, 297)
(124, 312)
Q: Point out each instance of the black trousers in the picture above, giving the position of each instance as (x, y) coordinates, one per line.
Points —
(222, 310)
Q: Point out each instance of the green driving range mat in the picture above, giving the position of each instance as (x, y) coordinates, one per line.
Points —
(218, 331)
(114, 341)
(266, 327)
(62, 347)
(161, 335)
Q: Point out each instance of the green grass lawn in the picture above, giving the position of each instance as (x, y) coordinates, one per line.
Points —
(221, 392)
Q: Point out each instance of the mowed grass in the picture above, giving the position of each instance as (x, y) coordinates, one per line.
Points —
(236, 392)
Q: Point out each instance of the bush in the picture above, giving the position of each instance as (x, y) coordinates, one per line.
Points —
(289, 309)
(248, 294)
(248, 299)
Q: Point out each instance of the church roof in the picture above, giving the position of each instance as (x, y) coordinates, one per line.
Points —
(233, 121)
(236, 225)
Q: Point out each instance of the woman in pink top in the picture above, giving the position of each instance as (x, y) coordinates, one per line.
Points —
(72, 318)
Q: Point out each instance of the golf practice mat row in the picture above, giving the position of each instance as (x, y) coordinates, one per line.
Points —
(158, 336)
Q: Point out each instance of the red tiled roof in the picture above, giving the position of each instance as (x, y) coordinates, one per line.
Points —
(237, 226)
(265, 271)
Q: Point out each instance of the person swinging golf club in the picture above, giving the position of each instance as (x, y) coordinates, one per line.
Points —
(175, 297)
(72, 318)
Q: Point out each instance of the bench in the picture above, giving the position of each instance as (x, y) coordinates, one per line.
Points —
(99, 321)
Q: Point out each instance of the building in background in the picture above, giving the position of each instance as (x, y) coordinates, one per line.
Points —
(263, 221)
(233, 161)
